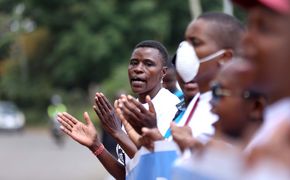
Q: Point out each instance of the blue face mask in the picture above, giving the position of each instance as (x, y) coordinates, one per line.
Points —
(187, 63)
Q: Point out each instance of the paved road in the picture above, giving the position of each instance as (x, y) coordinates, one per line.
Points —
(33, 155)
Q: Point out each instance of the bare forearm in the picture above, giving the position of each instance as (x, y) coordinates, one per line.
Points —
(112, 165)
(125, 142)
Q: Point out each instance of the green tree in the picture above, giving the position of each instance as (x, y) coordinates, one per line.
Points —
(76, 43)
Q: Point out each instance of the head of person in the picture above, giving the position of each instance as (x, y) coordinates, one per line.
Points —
(215, 36)
(266, 45)
(236, 106)
(169, 80)
(146, 68)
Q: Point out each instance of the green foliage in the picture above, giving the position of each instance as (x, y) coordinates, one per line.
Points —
(240, 13)
(77, 43)
(211, 5)
(116, 83)
(5, 36)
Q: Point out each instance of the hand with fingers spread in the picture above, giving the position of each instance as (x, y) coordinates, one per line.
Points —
(136, 114)
(106, 113)
(85, 134)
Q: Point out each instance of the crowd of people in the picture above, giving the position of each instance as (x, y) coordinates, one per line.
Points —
(229, 120)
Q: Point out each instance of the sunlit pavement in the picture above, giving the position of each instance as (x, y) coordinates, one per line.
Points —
(33, 155)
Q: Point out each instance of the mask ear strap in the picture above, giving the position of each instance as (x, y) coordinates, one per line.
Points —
(212, 56)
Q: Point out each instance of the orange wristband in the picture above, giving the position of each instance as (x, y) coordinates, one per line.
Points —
(99, 150)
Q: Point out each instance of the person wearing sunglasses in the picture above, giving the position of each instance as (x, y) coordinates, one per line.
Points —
(239, 112)
(239, 109)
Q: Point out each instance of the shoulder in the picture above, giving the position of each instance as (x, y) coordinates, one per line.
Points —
(167, 96)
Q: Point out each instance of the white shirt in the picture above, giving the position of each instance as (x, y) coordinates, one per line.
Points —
(165, 107)
(273, 116)
(202, 120)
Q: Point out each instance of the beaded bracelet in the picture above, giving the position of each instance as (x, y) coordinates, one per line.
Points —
(99, 150)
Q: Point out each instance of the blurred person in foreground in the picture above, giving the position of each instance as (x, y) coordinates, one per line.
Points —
(240, 112)
(146, 68)
(240, 109)
(266, 46)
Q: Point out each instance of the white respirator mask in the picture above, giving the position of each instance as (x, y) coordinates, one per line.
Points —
(187, 63)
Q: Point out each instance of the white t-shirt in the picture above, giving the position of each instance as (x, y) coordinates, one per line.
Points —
(273, 116)
(165, 107)
(202, 120)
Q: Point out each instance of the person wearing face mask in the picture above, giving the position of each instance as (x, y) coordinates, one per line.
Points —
(210, 40)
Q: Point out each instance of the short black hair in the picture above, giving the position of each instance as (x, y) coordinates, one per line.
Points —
(171, 62)
(228, 29)
(156, 45)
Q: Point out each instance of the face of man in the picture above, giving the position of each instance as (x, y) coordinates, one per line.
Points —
(201, 36)
(228, 100)
(189, 89)
(266, 46)
(145, 71)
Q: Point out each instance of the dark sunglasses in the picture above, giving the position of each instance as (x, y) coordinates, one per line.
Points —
(219, 92)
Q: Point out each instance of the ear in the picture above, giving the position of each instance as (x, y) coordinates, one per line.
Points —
(164, 70)
(257, 110)
(227, 56)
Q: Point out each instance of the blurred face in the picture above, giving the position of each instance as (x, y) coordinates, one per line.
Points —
(199, 34)
(266, 45)
(169, 80)
(145, 71)
(229, 104)
(189, 89)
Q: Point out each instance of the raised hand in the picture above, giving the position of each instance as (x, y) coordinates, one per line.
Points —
(133, 135)
(107, 115)
(183, 136)
(148, 135)
(85, 134)
(136, 114)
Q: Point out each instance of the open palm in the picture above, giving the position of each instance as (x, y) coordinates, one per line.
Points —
(84, 134)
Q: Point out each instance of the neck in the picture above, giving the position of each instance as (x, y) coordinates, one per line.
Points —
(247, 136)
(152, 94)
(187, 100)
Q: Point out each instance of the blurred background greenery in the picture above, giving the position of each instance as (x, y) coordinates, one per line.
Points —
(77, 47)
